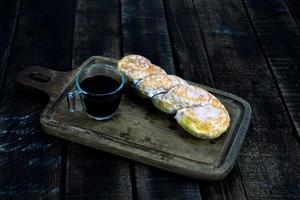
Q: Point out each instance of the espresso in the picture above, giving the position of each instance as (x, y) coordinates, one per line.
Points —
(104, 104)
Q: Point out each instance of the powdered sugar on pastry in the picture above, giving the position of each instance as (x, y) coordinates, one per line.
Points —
(203, 121)
(189, 95)
(207, 112)
(137, 75)
(133, 62)
(137, 67)
(164, 103)
(157, 83)
(184, 96)
(176, 81)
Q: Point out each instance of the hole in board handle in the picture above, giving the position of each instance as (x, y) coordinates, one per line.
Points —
(39, 77)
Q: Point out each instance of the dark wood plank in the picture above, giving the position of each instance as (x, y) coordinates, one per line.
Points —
(145, 32)
(191, 58)
(153, 183)
(186, 34)
(30, 161)
(9, 11)
(229, 188)
(92, 174)
(280, 38)
(271, 150)
(294, 7)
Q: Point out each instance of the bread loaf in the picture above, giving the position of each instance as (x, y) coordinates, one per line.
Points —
(197, 111)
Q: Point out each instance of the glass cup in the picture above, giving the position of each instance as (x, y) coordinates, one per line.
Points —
(100, 87)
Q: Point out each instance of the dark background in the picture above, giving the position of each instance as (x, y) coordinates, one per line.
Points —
(247, 47)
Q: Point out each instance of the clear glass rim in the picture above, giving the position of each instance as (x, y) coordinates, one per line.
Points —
(100, 65)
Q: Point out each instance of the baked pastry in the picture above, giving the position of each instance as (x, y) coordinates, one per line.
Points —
(206, 122)
(136, 67)
(137, 75)
(157, 83)
(165, 103)
(199, 112)
(214, 102)
(182, 96)
(133, 62)
(190, 95)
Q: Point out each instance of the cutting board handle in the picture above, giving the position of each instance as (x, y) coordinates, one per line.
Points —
(49, 81)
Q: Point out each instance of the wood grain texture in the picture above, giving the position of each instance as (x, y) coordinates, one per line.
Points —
(269, 158)
(9, 12)
(280, 38)
(294, 7)
(191, 58)
(92, 174)
(145, 32)
(31, 161)
(229, 188)
(186, 34)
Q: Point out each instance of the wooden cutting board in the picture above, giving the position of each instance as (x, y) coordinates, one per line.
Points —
(139, 131)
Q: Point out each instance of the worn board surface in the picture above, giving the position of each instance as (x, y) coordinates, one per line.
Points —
(141, 132)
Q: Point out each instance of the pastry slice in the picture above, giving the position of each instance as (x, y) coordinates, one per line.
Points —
(181, 96)
(137, 75)
(164, 103)
(133, 62)
(136, 67)
(206, 122)
(156, 84)
(190, 95)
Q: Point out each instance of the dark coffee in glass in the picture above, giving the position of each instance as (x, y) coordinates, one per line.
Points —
(100, 89)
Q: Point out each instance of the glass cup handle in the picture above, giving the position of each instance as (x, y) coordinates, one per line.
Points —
(71, 100)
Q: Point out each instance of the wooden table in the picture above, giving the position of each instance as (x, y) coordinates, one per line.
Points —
(247, 47)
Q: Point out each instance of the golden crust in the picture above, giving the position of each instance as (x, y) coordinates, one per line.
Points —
(137, 75)
(133, 62)
(206, 122)
(157, 83)
(163, 103)
(176, 81)
(184, 96)
(214, 102)
(189, 95)
(137, 67)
